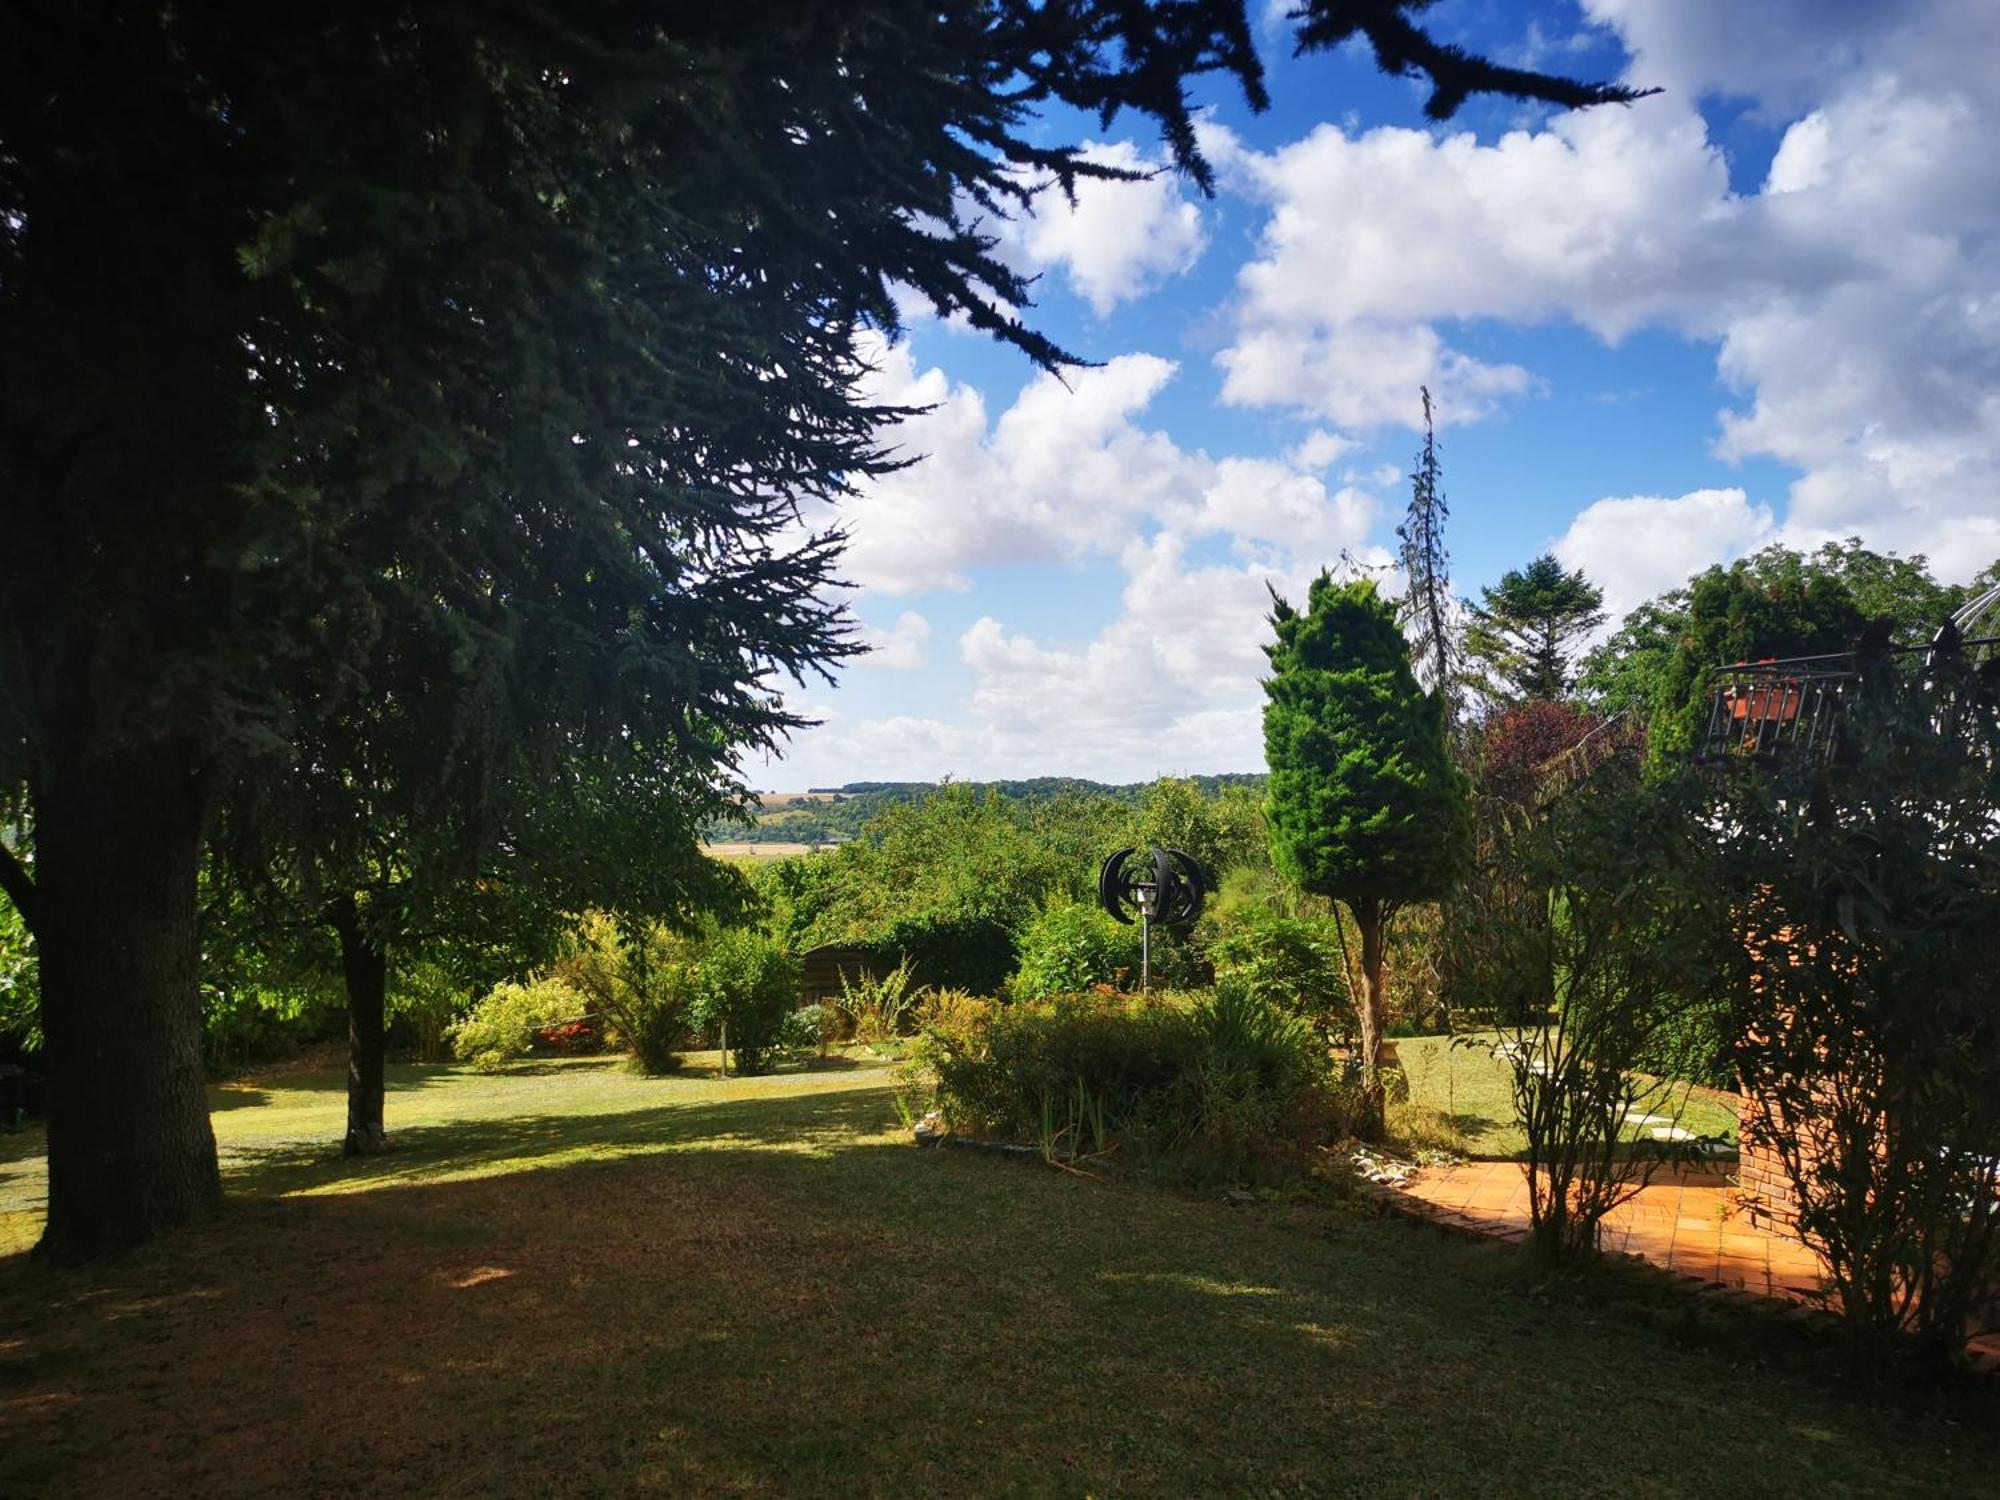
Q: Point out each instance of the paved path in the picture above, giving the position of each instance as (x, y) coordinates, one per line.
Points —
(1686, 1220)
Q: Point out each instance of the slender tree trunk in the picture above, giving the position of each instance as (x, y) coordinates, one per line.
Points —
(117, 846)
(364, 964)
(1368, 917)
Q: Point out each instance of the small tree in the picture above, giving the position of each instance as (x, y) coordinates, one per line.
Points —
(747, 986)
(641, 978)
(1515, 745)
(1527, 628)
(1365, 805)
(1584, 929)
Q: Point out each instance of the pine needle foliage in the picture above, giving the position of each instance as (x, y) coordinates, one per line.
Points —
(1529, 627)
(447, 393)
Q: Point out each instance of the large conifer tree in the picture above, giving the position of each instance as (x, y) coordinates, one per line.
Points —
(360, 349)
(1528, 628)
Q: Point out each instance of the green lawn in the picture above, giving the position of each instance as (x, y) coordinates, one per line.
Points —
(578, 1281)
(1472, 1089)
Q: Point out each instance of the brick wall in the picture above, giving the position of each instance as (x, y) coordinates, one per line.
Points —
(1760, 1173)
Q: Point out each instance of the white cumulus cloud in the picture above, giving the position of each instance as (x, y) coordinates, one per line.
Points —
(1067, 471)
(1118, 239)
(1851, 297)
(901, 647)
(1642, 545)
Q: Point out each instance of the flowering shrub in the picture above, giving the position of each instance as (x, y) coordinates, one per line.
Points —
(568, 1038)
(807, 1030)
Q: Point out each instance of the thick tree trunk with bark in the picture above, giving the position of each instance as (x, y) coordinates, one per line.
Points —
(1370, 918)
(117, 845)
(364, 964)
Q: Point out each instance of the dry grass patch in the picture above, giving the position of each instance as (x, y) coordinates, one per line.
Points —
(578, 1281)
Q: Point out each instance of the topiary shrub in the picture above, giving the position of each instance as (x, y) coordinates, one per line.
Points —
(503, 1026)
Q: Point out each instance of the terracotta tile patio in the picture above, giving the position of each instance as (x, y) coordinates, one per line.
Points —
(1687, 1222)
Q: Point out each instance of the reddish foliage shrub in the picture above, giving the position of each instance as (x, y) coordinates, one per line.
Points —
(1516, 742)
(568, 1037)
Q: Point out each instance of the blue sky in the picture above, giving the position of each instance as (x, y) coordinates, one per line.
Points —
(1763, 306)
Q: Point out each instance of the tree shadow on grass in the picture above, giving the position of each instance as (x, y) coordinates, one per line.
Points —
(484, 1147)
(228, 1096)
(551, 1067)
(776, 1296)
(398, 1078)
(24, 1143)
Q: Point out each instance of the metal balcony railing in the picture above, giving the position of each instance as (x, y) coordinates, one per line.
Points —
(1781, 706)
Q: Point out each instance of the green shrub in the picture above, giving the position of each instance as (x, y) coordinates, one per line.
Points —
(750, 984)
(1293, 963)
(640, 981)
(20, 985)
(972, 951)
(1250, 1061)
(1067, 947)
(425, 998)
(501, 1028)
(1694, 1043)
(806, 1031)
(877, 1006)
(248, 1025)
(1070, 946)
(1211, 1075)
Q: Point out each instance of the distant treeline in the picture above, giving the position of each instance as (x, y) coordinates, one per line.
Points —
(836, 821)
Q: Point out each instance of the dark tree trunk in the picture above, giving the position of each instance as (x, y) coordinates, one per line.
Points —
(364, 963)
(117, 846)
(1369, 918)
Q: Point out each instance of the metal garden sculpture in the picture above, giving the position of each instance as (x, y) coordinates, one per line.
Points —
(1167, 886)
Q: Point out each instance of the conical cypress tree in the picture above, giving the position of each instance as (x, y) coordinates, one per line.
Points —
(1365, 805)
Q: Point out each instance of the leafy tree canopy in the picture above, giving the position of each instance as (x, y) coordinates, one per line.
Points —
(475, 360)
(1627, 671)
(1515, 744)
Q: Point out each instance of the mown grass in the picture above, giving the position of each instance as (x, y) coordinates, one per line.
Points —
(578, 1281)
(1460, 1088)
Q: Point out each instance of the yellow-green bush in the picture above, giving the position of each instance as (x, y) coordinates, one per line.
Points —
(501, 1027)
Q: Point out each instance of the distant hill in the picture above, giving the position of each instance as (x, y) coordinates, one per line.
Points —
(1036, 787)
(834, 814)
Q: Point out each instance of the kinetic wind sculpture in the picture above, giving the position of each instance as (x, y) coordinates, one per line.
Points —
(1166, 886)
